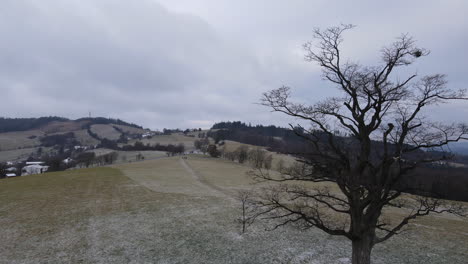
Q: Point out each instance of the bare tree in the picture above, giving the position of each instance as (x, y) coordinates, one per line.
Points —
(202, 145)
(267, 162)
(247, 209)
(241, 153)
(257, 157)
(280, 165)
(3, 170)
(387, 137)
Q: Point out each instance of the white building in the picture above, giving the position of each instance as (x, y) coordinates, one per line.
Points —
(80, 147)
(11, 175)
(34, 163)
(33, 169)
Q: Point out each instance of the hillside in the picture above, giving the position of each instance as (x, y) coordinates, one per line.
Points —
(18, 133)
(23, 138)
(55, 124)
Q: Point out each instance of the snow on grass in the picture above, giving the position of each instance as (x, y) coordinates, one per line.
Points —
(156, 212)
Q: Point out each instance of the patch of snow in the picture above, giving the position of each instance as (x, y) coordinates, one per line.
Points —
(344, 260)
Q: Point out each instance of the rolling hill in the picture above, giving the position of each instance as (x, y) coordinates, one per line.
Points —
(27, 135)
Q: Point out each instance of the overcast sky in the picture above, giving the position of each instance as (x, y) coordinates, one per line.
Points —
(189, 63)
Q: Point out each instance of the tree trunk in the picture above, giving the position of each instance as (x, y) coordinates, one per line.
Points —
(362, 250)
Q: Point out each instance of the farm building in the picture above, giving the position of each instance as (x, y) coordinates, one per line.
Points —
(33, 169)
(11, 175)
(34, 163)
(80, 147)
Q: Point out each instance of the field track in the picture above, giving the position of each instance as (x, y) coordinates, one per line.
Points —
(202, 181)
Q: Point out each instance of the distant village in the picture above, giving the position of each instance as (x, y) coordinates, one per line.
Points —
(64, 155)
(24, 168)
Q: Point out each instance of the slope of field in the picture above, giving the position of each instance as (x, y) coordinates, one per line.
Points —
(20, 139)
(62, 127)
(171, 210)
(17, 154)
(84, 138)
(171, 176)
(105, 131)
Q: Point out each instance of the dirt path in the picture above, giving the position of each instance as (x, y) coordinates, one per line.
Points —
(167, 175)
(202, 180)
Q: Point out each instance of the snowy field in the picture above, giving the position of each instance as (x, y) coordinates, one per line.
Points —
(179, 211)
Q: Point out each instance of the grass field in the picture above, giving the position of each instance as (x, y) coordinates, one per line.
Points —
(20, 139)
(172, 210)
(17, 154)
(84, 138)
(105, 131)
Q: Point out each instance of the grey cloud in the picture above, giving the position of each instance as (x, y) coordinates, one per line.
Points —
(190, 63)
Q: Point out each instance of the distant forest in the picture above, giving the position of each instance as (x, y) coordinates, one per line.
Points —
(277, 139)
(23, 124)
(433, 180)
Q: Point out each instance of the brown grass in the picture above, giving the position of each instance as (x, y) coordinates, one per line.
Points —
(19, 139)
(105, 131)
(158, 212)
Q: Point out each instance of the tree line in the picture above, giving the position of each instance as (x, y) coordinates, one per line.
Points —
(23, 124)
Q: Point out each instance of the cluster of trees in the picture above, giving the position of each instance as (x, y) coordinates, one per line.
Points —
(23, 124)
(55, 160)
(205, 146)
(256, 157)
(139, 146)
(67, 139)
(202, 144)
(438, 182)
(87, 159)
(188, 130)
(89, 121)
(168, 131)
(276, 139)
(3, 171)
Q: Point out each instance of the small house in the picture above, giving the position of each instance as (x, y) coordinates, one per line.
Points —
(11, 175)
(34, 162)
(33, 169)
